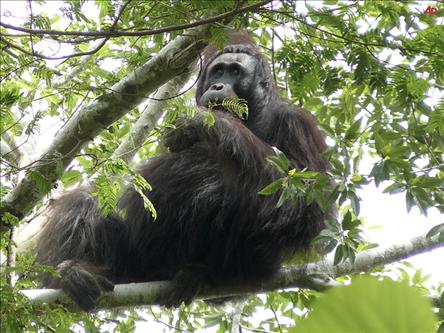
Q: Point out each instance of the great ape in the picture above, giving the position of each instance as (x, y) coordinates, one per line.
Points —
(213, 227)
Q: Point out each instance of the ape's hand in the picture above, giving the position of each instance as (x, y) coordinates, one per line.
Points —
(206, 127)
(182, 136)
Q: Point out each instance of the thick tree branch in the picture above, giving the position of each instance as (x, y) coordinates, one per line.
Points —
(149, 117)
(98, 115)
(318, 276)
(89, 121)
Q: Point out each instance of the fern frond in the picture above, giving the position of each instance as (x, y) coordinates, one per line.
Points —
(237, 106)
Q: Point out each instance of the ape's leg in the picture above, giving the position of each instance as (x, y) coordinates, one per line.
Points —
(185, 285)
(87, 249)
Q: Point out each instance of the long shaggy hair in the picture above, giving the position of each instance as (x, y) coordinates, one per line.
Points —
(211, 219)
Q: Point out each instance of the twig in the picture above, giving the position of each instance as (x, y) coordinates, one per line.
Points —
(149, 32)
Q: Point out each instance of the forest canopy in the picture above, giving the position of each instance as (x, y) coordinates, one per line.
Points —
(88, 88)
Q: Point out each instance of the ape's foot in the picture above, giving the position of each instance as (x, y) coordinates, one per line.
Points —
(184, 287)
(83, 286)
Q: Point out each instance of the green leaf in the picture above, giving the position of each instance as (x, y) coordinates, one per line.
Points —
(349, 222)
(282, 199)
(339, 254)
(107, 193)
(42, 183)
(394, 188)
(142, 186)
(146, 202)
(328, 233)
(208, 119)
(351, 254)
(355, 202)
(370, 306)
(436, 230)
(237, 106)
(71, 177)
(417, 88)
(273, 187)
(410, 201)
(280, 161)
(213, 319)
(332, 225)
(330, 246)
(353, 131)
(304, 174)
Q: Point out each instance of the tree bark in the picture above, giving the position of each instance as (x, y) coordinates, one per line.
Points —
(88, 122)
(149, 117)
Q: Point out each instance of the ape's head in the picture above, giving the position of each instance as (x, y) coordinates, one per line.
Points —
(239, 70)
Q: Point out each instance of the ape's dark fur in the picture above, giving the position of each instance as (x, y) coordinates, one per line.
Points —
(212, 225)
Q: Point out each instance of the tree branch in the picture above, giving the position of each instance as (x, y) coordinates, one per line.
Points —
(110, 33)
(88, 54)
(149, 117)
(77, 69)
(89, 121)
(317, 276)
(345, 39)
(109, 107)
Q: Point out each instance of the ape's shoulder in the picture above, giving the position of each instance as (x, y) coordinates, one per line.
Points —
(295, 131)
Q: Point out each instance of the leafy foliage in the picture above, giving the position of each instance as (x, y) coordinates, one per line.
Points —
(372, 72)
(236, 106)
(109, 184)
(370, 306)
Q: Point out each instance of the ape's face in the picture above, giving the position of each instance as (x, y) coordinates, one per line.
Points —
(229, 75)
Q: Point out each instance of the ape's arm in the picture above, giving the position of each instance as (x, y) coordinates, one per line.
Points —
(296, 133)
(228, 135)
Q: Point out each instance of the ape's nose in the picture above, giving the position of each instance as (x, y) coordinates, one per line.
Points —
(216, 93)
(217, 86)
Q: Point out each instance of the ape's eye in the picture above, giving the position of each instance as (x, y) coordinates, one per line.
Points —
(218, 71)
(235, 70)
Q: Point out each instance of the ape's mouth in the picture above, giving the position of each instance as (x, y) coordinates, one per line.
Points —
(216, 106)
